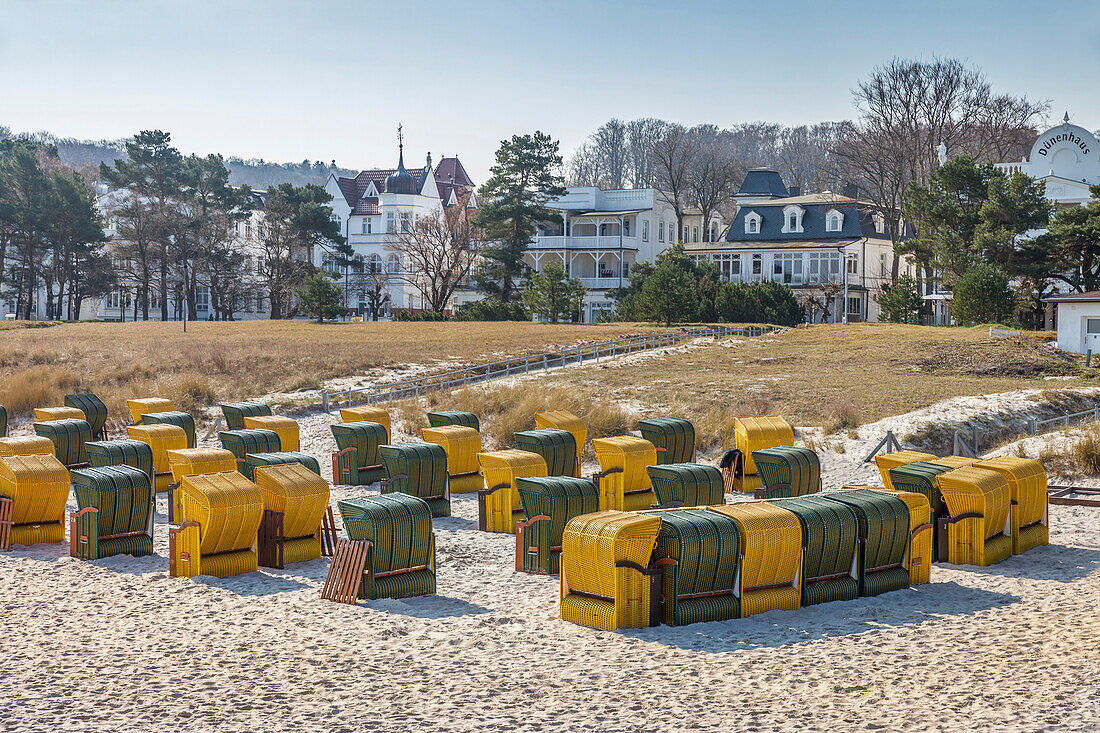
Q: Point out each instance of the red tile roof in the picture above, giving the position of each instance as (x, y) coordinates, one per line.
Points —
(449, 174)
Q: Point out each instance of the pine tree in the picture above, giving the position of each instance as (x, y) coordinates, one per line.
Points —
(320, 298)
(553, 295)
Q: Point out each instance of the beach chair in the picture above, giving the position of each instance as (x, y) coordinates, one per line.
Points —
(499, 506)
(252, 461)
(830, 548)
(771, 556)
(47, 414)
(605, 578)
(883, 537)
(219, 518)
(367, 414)
(623, 480)
(698, 554)
(243, 442)
(33, 493)
(920, 477)
(563, 420)
(93, 410)
(462, 445)
(124, 452)
(173, 417)
(920, 553)
(236, 412)
(887, 461)
(70, 437)
(557, 447)
(549, 503)
(787, 471)
(957, 461)
(139, 407)
(357, 461)
(160, 439)
(401, 556)
(734, 479)
(756, 433)
(420, 470)
(295, 501)
(674, 438)
(686, 485)
(26, 445)
(977, 528)
(115, 513)
(287, 429)
(441, 418)
(195, 462)
(1027, 483)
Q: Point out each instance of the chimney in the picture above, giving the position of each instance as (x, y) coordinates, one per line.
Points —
(795, 191)
(850, 191)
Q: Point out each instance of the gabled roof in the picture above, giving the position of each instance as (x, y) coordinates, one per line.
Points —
(763, 182)
(354, 188)
(1092, 296)
(815, 208)
(451, 176)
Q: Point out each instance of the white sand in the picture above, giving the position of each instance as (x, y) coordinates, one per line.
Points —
(116, 645)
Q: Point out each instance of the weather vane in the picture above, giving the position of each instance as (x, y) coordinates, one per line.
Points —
(400, 137)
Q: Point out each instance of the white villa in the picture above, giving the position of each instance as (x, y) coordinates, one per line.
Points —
(1067, 159)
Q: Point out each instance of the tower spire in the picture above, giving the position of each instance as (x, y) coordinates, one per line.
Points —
(400, 146)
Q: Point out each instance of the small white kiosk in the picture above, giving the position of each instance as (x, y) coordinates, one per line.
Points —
(1078, 317)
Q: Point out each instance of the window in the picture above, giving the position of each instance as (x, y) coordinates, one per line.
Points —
(661, 231)
(855, 306)
(374, 264)
(757, 265)
(853, 264)
(406, 221)
(695, 234)
(645, 230)
(248, 230)
(393, 264)
(792, 219)
(329, 263)
(366, 225)
(834, 221)
(729, 266)
(787, 268)
(824, 266)
(259, 304)
(882, 263)
(626, 227)
(389, 222)
(202, 298)
(880, 223)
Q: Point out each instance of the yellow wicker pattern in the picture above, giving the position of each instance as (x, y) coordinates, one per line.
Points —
(886, 461)
(367, 414)
(26, 445)
(771, 549)
(145, 405)
(38, 486)
(757, 433)
(564, 420)
(34, 534)
(462, 445)
(956, 461)
(197, 461)
(228, 508)
(748, 484)
(286, 428)
(1027, 483)
(593, 591)
(919, 556)
(632, 455)
(504, 467)
(979, 541)
(467, 483)
(300, 494)
(161, 438)
(45, 414)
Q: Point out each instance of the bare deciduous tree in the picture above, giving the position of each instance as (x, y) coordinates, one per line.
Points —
(672, 159)
(437, 253)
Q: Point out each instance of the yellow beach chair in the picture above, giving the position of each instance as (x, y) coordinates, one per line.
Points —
(623, 481)
(1027, 483)
(219, 518)
(564, 420)
(367, 414)
(886, 461)
(499, 505)
(285, 427)
(160, 438)
(33, 492)
(462, 445)
(771, 549)
(145, 405)
(301, 497)
(978, 530)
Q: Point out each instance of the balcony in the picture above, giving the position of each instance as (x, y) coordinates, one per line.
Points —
(557, 242)
(603, 283)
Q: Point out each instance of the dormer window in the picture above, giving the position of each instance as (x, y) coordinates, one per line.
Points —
(792, 219)
(834, 221)
(752, 223)
(880, 223)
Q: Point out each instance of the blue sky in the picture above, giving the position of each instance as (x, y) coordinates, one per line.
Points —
(321, 80)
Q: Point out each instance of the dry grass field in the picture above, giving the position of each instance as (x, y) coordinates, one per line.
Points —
(215, 362)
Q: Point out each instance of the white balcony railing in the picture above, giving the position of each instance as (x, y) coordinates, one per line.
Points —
(603, 283)
(557, 242)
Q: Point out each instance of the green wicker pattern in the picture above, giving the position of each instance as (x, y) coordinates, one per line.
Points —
(884, 538)
(125, 452)
(252, 460)
(690, 484)
(830, 540)
(453, 417)
(400, 528)
(707, 549)
(561, 498)
(797, 467)
(250, 440)
(236, 412)
(424, 466)
(70, 438)
(675, 434)
(95, 412)
(356, 468)
(122, 496)
(175, 417)
(3, 422)
(557, 447)
(920, 478)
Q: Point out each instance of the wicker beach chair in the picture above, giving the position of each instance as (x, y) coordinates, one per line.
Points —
(771, 556)
(462, 445)
(830, 548)
(357, 461)
(920, 553)
(675, 435)
(236, 412)
(623, 480)
(699, 555)
(243, 442)
(420, 470)
(498, 503)
(367, 414)
(887, 461)
(144, 405)
(977, 529)
(160, 439)
(549, 503)
(252, 461)
(287, 429)
(47, 414)
(787, 471)
(93, 410)
(686, 485)
(733, 474)
(920, 477)
(195, 462)
(218, 520)
(441, 418)
(26, 445)
(401, 562)
(35, 489)
(295, 500)
(883, 536)
(70, 437)
(173, 417)
(557, 447)
(124, 452)
(115, 513)
(604, 570)
(563, 420)
(756, 433)
(1027, 483)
